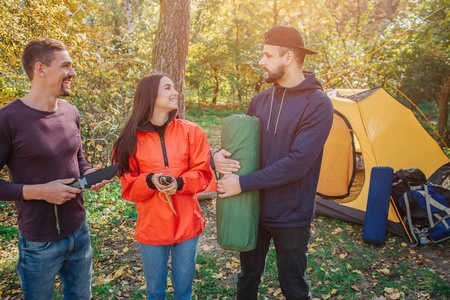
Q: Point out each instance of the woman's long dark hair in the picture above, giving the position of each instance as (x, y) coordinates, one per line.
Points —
(143, 105)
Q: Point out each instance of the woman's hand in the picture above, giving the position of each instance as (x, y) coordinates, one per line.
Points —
(169, 189)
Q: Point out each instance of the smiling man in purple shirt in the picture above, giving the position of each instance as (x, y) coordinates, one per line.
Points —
(40, 143)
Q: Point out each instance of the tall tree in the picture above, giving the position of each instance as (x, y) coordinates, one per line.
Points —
(443, 110)
(129, 13)
(275, 13)
(171, 45)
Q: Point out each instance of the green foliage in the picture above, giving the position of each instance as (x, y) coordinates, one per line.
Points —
(225, 48)
(107, 58)
(225, 67)
(447, 151)
(210, 118)
(8, 233)
(222, 76)
(207, 287)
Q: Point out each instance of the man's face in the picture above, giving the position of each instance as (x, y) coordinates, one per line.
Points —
(59, 74)
(272, 63)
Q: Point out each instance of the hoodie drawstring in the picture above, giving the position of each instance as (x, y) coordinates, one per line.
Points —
(270, 112)
(279, 111)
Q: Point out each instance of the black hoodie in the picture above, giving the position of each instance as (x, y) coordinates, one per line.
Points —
(295, 125)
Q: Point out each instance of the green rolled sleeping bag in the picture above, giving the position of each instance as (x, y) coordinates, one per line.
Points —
(238, 216)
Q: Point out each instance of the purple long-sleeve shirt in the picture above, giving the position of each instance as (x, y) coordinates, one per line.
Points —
(39, 147)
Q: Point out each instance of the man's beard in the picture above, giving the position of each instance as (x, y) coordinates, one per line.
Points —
(276, 75)
(63, 90)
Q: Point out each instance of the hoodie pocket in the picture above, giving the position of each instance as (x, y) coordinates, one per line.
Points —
(281, 204)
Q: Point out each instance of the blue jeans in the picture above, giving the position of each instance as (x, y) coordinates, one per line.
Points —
(155, 259)
(39, 263)
(291, 246)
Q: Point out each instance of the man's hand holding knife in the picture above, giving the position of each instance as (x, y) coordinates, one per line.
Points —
(60, 190)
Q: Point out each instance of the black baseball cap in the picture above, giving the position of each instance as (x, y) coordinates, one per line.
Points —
(286, 37)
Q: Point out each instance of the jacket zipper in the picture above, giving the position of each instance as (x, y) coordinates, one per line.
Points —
(163, 145)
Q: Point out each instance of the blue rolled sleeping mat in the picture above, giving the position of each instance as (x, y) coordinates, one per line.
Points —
(238, 216)
(375, 220)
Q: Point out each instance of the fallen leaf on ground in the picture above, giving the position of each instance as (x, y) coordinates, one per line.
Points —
(337, 230)
(384, 271)
(217, 276)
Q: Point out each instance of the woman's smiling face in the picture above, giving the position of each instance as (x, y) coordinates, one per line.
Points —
(167, 99)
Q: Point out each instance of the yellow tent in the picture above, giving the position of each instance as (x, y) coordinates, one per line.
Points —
(387, 133)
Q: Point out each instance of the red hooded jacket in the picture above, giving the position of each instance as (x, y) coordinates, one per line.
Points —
(182, 152)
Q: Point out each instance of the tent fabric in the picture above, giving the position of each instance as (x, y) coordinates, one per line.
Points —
(238, 216)
(349, 214)
(388, 134)
(338, 167)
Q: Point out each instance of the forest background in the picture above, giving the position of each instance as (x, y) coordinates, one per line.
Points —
(214, 47)
(115, 42)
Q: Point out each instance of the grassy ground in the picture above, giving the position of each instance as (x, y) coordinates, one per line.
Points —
(341, 265)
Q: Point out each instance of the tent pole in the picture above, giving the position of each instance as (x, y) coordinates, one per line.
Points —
(401, 221)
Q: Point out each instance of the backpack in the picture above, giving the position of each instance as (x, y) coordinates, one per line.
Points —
(441, 176)
(423, 205)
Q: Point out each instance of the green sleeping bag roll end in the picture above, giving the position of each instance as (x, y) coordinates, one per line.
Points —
(238, 216)
(237, 221)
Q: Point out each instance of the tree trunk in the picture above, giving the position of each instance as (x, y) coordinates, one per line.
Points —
(129, 13)
(171, 45)
(237, 60)
(444, 131)
(216, 86)
(138, 9)
(275, 13)
(258, 84)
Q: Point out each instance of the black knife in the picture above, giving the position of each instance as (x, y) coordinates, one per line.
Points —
(88, 180)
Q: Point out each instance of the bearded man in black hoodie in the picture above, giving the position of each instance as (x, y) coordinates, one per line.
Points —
(296, 118)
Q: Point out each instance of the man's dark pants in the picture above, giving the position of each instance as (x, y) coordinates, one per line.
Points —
(291, 246)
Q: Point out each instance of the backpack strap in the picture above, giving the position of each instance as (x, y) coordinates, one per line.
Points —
(443, 220)
(433, 202)
(427, 201)
(408, 216)
(430, 201)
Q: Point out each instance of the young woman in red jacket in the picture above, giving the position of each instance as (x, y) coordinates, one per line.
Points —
(152, 145)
